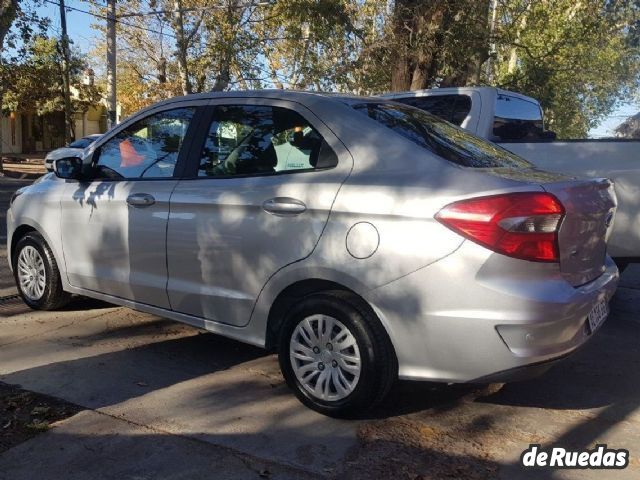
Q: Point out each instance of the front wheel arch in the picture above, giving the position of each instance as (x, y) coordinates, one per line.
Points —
(18, 233)
(54, 296)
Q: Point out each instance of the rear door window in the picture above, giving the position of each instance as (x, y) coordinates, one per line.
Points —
(258, 140)
(452, 108)
(517, 119)
(444, 139)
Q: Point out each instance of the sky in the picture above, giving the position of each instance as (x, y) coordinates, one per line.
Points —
(605, 129)
(78, 24)
(83, 38)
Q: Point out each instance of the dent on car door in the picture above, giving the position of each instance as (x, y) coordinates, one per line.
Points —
(114, 226)
(263, 181)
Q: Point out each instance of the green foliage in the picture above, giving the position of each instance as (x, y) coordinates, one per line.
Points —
(36, 81)
(579, 58)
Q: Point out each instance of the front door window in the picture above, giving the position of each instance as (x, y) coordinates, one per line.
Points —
(147, 149)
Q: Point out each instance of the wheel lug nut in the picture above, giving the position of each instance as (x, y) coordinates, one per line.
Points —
(321, 366)
(316, 350)
(329, 346)
(334, 364)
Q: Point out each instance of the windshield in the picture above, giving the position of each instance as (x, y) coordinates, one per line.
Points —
(82, 143)
(443, 138)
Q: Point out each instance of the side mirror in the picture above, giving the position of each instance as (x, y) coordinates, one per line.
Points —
(69, 168)
(548, 135)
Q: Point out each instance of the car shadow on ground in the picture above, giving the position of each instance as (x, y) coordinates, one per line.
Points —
(610, 361)
(132, 372)
(13, 305)
(78, 302)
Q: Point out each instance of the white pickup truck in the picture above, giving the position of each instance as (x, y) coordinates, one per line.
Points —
(516, 123)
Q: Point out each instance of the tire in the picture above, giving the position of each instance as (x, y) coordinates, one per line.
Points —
(37, 259)
(346, 391)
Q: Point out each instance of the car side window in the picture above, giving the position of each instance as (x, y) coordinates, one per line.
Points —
(517, 119)
(147, 149)
(258, 140)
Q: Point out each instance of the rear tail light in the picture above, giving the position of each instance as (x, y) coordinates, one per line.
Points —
(520, 225)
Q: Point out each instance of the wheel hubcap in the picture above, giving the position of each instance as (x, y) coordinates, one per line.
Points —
(325, 357)
(32, 276)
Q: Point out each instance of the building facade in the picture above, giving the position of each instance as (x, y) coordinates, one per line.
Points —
(24, 132)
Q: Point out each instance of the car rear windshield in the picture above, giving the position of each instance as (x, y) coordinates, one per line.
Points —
(452, 108)
(444, 139)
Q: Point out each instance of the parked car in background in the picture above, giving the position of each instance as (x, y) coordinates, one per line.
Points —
(74, 149)
(515, 122)
(359, 238)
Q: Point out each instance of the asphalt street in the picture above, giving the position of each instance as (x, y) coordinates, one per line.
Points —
(164, 400)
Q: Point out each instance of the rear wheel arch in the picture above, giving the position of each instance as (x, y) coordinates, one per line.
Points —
(296, 291)
(374, 356)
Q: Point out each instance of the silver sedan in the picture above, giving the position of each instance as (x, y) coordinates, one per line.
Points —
(361, 239)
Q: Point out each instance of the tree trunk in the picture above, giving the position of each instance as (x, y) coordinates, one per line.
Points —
(513, 54)
(417, 31)
(402, 25)
(8, 11)
(439, 42)
(224, 78)
(162, 70)
(181, 48)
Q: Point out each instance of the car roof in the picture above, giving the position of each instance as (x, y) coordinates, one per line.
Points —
(281, 94)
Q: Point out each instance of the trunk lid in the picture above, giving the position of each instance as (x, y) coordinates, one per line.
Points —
(590, 207)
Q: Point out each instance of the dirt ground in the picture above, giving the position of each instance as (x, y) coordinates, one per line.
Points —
(24, 414)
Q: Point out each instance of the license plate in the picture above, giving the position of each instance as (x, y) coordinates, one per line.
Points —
(598, 315)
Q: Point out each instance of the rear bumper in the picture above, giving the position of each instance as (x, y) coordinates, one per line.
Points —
(476, 315)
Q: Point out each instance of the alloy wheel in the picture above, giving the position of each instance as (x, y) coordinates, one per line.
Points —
(325, 357)
(32, 275)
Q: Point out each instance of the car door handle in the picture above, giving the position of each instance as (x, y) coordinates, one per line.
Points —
(284, 206)
(141, 200)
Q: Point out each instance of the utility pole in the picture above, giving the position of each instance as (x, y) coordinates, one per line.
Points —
(493, 11)
(68, 118)
(181, 45)
(111, 63)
